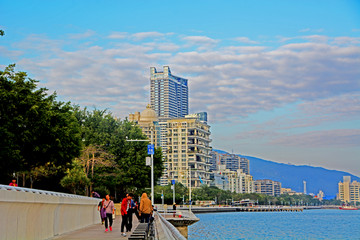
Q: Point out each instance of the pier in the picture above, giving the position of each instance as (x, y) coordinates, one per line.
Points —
(246, 209)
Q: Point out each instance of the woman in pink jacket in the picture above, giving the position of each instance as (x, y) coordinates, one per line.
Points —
(110, 210)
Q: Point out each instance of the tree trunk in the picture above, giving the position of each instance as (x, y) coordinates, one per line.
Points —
(92, 172)
(24, 180)
(31, 181)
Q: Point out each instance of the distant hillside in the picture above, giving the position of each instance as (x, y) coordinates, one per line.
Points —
(292, 176)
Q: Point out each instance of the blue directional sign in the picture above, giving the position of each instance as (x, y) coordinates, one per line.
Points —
(151, 149)
(172, 182)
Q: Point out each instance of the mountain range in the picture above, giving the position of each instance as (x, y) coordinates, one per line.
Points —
(292, 176)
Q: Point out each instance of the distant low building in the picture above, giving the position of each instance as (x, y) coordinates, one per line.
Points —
(348, 191)
(320, 195)
(289, 191)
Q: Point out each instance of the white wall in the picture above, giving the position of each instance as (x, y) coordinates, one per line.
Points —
(35, 214)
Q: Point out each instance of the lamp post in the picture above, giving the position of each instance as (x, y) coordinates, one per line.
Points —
(152, 165)
(173, 187)
(190, 203)
(152, 159)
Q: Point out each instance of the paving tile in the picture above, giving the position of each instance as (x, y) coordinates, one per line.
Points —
(97, 231)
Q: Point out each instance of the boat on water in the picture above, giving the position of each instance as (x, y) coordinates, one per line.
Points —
(348, 208)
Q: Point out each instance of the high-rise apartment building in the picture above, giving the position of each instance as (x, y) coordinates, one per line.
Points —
(349, 191)
(238, 181)
(232, 162)
(168, 94)
(188, 151)
(214, 161)
(268, 187)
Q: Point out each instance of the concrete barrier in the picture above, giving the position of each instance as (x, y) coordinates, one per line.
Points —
(35, 214)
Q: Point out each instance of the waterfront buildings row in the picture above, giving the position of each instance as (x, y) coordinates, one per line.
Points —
(185, 141)
(349, 192)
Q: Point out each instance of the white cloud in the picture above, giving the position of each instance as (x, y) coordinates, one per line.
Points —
(245, 40)
(228, 81)
(202, 42)
(346, 40)
(311, 38)
(315, 139)
(10, 53)
(144, 35)
(345, 105)
(163, 46)
(86, 34)
(311, 30)
(118, 35)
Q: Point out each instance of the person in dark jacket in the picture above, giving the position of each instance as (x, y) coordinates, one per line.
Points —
(174, 209)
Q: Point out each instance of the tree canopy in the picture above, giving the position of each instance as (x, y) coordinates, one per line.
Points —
(35, 129)
(127, 170)
(42, 137)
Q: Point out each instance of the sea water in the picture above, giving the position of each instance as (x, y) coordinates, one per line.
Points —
(309, 224)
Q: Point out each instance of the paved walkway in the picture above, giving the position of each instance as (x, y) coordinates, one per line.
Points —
(97, 231)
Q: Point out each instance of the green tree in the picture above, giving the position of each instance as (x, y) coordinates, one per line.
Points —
(92, 158)
(75, 180)
(180, 192)
(35, 129)
(100, 128)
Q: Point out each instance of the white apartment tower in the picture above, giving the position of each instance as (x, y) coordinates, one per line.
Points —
(188, 151)
(168, 94)
(169, 98)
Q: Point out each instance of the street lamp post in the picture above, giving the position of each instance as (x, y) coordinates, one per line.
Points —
(190, 203)
(152, 167)
(173, 186)
(152, 159)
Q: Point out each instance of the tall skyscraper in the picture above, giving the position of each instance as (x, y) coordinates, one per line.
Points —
(168, 94)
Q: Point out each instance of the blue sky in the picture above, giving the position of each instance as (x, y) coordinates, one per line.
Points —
(280, 80)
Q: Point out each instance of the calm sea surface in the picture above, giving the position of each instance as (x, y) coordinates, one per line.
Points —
(309, 224)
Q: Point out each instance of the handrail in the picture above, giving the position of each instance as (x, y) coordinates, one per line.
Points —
(168, 228)
(185, 213)
(37, 191)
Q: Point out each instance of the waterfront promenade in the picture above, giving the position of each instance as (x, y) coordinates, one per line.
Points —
(97, 231)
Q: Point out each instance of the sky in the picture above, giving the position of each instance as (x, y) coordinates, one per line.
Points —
(280, 80)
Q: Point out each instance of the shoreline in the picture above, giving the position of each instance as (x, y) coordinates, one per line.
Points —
(197, 209)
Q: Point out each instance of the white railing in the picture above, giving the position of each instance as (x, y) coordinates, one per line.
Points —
(37, 214)
(43, 192)
(165, 230)
(181, 213)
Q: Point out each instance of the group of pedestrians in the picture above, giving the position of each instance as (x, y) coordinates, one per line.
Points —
(143, 212)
